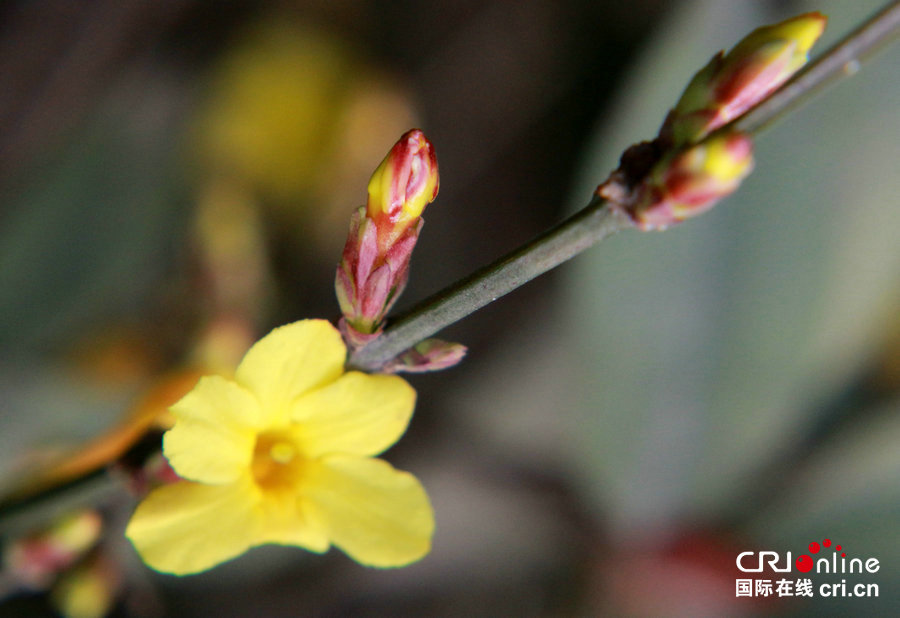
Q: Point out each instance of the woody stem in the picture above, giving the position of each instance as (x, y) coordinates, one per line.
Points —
(587, 227)
(598, 221)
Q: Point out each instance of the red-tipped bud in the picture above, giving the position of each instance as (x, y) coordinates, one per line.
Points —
(37, 559)
(689, 182)
(405, 182)
(375, 263)
(731, 84)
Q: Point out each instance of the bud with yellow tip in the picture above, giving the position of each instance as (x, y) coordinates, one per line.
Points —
(689, 182)
(87, 591)
(400, 188)
(375, 264)
(35, 560)
(730, 84)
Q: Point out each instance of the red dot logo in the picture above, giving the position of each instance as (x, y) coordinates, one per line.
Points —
(814, 548)
(827, 542)
(804, 563)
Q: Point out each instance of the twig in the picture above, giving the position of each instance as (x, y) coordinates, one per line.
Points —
(594, 222)
(559, 244)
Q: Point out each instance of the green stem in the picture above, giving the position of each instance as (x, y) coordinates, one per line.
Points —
(595, 222)
(584, 229)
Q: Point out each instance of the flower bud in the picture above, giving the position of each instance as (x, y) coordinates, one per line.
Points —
(375, 263)
(400, 188)
(35, 560)
(729, 85)
(88, 590)
(427, 355)
(689, 182)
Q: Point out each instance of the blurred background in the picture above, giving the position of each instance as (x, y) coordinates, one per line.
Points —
(176, 178)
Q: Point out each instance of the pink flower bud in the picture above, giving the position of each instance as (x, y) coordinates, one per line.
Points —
(427, 355)
(375, 263)
(400, 188)
(35, 560)
(729, 85)
(368, 282)
(689, 182)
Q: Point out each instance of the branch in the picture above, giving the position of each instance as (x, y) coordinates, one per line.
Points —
(595, 222)
(559, 244)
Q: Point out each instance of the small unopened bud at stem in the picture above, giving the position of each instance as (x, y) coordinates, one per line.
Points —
(427, 355)
(689, 182)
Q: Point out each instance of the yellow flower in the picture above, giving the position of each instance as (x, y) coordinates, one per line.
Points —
(284, 454)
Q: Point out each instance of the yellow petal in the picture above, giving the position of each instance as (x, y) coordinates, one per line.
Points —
(292, 520)
(290, 361)
(358, 414)
(378, 515)
(213, 436)
(188, 527)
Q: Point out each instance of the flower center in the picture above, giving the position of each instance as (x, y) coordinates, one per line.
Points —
(276, 462)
